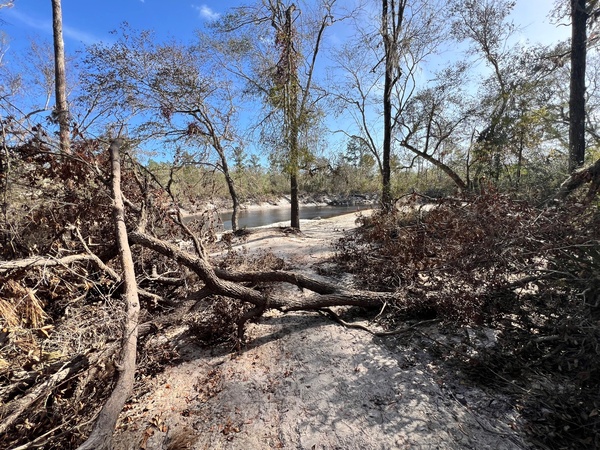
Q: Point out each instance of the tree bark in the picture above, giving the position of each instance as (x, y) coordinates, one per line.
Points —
(230, 182)
(294, 116)
(234, 200)
(200, 267)
(388, 41)
(579, 17)
(439, 164)
(294, 200)
(101, 436)
(60, 80)
(42, 261)
(391, 26)
(205, 119)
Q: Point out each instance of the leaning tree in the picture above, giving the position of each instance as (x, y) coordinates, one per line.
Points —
(172, 95)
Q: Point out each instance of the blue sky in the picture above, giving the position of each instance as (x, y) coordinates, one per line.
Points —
(90, 21)
(87, 22)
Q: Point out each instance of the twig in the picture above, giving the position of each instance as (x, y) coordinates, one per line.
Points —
(43, 389)
(338, 319)
(95, 257)
(200, 250)
(114, 275)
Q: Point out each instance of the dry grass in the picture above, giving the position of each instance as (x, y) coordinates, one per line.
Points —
(21, 307)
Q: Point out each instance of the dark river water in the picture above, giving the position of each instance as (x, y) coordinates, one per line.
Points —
(260, 217)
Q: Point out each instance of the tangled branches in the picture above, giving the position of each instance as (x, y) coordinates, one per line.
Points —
(529, 274)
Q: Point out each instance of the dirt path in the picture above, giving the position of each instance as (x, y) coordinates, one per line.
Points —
(304, 382)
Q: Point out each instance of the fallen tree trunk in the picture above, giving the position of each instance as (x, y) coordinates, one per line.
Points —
(43, 261)
(302, 281)
(578, 178)
(101, 436)
(48, 261)
(225, 283)
(200, 267)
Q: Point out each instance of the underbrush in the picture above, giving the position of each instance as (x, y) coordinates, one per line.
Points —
(217, 319)
(530, 274)
(64, 329)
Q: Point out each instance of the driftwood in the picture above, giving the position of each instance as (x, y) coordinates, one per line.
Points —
(101, 435)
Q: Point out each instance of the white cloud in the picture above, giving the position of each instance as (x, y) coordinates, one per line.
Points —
(206, 12)
(46, 27)
(80, 36)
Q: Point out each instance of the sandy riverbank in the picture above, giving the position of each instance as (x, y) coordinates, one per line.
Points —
(304, 382)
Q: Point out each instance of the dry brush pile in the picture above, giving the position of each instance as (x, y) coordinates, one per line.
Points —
(68, 317)
(530, 274)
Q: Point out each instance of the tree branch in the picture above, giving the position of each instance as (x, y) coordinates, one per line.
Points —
(101, 435)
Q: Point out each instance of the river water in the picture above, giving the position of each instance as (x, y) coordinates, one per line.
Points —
(260, 217)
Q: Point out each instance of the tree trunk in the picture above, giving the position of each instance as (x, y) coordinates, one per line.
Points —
(235, 203)
(579, 19)
(519, 162)
(390, 61)
(101, 436)
(295, 205)
(294, 163)
(60, 81)
(391, 26)
(295, 98)
(229, 284)
(578, 178)
(294, 116)
(232, 190)
(462, 186)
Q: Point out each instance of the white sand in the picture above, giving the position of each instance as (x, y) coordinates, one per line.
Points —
(304, 382)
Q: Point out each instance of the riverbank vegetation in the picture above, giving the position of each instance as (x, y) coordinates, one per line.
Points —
(487, 208)
(527, 275)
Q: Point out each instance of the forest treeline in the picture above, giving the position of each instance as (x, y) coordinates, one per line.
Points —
(420, 101)
(382, 98)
